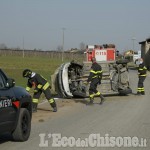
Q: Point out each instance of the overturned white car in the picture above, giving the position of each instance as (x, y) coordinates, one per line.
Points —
(68, 79)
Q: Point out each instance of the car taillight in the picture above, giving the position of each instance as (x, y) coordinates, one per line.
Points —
(16, 104)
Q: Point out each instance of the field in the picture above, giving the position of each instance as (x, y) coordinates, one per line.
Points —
(14, 65)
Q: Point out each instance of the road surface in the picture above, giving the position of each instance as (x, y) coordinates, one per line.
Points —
(119, 118)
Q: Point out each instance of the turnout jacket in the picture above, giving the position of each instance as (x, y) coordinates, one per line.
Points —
(95, 72)
(142, 70)
(38, 82)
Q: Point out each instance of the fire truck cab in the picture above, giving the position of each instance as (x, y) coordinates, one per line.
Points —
(101, 53)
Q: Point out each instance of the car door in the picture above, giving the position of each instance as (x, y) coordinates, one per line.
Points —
(7, 111)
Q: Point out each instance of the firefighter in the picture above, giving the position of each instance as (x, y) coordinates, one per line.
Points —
(40, 84)
(142, 75)
(94, 78)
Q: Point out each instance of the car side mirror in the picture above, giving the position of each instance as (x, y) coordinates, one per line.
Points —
(10, 83)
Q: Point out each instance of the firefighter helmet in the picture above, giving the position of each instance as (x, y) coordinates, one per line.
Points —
(27, 73)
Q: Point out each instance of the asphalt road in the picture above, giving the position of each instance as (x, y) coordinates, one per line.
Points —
(118, 117)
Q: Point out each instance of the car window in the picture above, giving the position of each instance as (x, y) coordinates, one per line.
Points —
(2, 81)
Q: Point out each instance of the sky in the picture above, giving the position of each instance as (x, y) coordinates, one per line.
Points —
(49, 24)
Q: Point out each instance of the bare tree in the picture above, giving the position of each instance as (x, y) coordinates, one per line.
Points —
(3, 46)
(82, 46)
(59, 48)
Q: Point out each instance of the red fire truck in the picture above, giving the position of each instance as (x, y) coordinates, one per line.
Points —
(101, 53)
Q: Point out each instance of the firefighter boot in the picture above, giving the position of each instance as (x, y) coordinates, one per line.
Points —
(90, 102)
(138, 93)
(102, 99)
(53, 104)
(55, 109)
(143, 92)
(34, 107)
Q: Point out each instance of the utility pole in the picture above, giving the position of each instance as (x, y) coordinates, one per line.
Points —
(23, 48)
(63, 29)
(133, 39)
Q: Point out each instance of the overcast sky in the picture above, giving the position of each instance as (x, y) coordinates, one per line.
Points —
(39, 23)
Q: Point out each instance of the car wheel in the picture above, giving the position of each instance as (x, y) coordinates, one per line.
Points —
(22, 131)
(78, 94)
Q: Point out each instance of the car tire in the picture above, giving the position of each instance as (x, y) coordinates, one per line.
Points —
(22, 131)
(77, 94)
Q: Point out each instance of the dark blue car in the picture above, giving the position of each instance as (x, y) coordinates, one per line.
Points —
(15, 109)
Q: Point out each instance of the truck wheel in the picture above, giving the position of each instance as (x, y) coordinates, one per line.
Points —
(22, 131)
